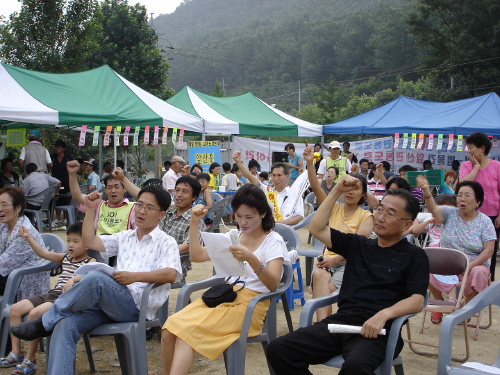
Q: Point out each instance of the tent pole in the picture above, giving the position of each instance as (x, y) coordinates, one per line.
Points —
(270, 155)
(3, 141)
(99, 140)
(114, 149)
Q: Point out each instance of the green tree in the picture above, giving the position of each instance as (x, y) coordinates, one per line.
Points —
(55, 36)
(461, 40)
(311, 113)
(217, 91)
(128, 44)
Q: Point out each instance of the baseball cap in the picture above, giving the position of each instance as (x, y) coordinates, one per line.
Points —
(334, 144)
(34, 133)
(178, 159)
(92, 162)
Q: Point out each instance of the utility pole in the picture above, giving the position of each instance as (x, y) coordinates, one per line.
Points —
(299, 95)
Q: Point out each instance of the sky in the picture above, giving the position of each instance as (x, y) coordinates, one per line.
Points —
(153, 6)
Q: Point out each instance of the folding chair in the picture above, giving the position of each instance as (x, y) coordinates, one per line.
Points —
(443, 261)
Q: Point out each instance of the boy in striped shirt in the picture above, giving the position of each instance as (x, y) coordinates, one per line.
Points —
(38, 305)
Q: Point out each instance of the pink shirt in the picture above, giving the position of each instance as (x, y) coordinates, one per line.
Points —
(489, 178)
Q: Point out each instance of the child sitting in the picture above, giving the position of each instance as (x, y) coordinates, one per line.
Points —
(205, 197)
(430, 226)
(38, 305)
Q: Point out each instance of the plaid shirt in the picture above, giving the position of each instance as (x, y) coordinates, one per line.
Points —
(178, 228)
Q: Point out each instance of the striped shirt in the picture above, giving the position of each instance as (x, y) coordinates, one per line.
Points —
(68, 271)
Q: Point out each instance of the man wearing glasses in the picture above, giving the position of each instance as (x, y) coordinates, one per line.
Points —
(384, 278)
(144, 255)
(177, 219)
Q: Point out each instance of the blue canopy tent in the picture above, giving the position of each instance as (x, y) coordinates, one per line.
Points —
(407, 115)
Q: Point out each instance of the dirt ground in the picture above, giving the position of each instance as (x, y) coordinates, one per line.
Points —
(484, 350)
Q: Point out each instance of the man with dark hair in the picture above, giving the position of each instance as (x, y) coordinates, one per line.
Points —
(364, 169)
(144, 255)
(295, 163)
(113, 215)
(34, 184)
(34, 152)
(387, 170)
(384, 278)
(287, 203)
(348, 154)
(178, 217)
(59, 171)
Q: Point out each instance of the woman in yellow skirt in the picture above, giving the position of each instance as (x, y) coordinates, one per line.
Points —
(210, 331)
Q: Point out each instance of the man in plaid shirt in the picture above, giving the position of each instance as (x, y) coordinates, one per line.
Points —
(178, 217)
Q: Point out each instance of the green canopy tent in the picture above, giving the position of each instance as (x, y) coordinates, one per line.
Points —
(97, 97)
(245, 114)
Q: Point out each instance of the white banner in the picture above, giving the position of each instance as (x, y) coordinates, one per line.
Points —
(261, 150)
(375, 150)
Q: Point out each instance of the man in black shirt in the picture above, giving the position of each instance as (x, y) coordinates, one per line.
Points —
(384, 278)
(59, 171)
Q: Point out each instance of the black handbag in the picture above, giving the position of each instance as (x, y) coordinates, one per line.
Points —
(221, 293)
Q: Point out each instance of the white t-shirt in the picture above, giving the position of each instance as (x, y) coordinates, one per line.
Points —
(272, 247)
(155, 251)
(322, 166)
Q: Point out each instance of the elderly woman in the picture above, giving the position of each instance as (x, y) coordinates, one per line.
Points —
(15, 251)
(467, 229)
(486, 171)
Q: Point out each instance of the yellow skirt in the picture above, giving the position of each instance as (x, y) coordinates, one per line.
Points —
(210, 331)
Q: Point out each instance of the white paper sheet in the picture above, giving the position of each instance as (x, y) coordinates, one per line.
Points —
(225, 265)
(483, 368)
(343, 328)
(86, 268)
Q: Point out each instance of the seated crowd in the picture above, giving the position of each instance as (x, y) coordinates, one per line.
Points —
(365, 218)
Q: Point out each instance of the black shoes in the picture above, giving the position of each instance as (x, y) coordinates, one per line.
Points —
(30, 330)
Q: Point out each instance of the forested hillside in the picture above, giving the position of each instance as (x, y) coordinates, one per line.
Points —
(268, 46)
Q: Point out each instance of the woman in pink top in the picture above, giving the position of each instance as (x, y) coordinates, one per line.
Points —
(486, 171)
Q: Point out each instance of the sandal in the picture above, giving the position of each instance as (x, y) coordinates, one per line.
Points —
(436, 317)
(26, 368)
(6, 362)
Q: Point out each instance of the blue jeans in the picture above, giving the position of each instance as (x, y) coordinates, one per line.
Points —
(95, 300)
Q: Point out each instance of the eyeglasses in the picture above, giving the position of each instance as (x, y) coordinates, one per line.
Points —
(3, 207)
(460, 195)
(388, 215)
(139, 206)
